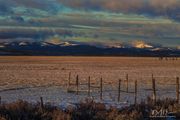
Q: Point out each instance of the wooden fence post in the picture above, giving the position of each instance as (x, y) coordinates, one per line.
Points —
(152, 76)
(69, 81)
(154, 90)
(119, 90)
(41, 103)
(89, 85)
(127, 83)
(135, 93)
(101, 88)
(77, 84)
(177, 89)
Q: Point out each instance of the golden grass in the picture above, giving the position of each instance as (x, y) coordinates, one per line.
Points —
(18, 71)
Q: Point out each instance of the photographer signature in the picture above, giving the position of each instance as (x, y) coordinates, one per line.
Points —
(162, 113)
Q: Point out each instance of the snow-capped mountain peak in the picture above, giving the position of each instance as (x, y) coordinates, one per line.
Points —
(67, 44)
(23, 43)
(142, 45)
(2, 46)
(178, 47)
(56, 41)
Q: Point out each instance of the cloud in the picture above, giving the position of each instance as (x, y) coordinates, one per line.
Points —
(168, 8)
(5, 8)
(54, 40)
(34, 33)
(38, 4)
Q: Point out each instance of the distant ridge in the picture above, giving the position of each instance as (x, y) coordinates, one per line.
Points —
(79, 49)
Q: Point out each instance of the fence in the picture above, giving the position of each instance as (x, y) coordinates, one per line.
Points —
(122, 86)
(76, 87)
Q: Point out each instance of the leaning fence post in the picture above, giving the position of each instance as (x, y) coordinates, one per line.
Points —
(101, 87)
(41, 103)
(119, 90)
(154, 90)
(177, 89)
(77, 84)
(89, 85)
(135, 93)
(127, 83)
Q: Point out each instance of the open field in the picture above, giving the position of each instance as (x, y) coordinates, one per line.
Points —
(29, 78)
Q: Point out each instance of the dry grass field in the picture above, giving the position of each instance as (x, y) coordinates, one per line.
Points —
(30, 77)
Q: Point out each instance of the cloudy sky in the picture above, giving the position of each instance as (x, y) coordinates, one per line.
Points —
(91, 21)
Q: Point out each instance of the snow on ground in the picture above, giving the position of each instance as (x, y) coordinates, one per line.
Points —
(28, 78)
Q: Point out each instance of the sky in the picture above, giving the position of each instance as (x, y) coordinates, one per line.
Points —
(91, 21)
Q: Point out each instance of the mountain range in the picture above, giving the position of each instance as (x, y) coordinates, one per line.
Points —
(71, 48)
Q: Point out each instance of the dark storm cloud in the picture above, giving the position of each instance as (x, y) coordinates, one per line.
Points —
(28, 33)
(111, 5)
(5, 8)
(18, 33)
(38, 4)
(167, 8)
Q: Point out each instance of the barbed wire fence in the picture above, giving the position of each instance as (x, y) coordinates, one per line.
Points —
(154, 88)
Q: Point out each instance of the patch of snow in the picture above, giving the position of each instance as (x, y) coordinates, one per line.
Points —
(2, 46)
(109, 104)
(67, 44)
(64, 105)
(23, 43)
(156, 49)
(116, 46)
(44, 44)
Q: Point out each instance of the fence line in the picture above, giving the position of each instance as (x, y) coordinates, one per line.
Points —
(119, 89)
